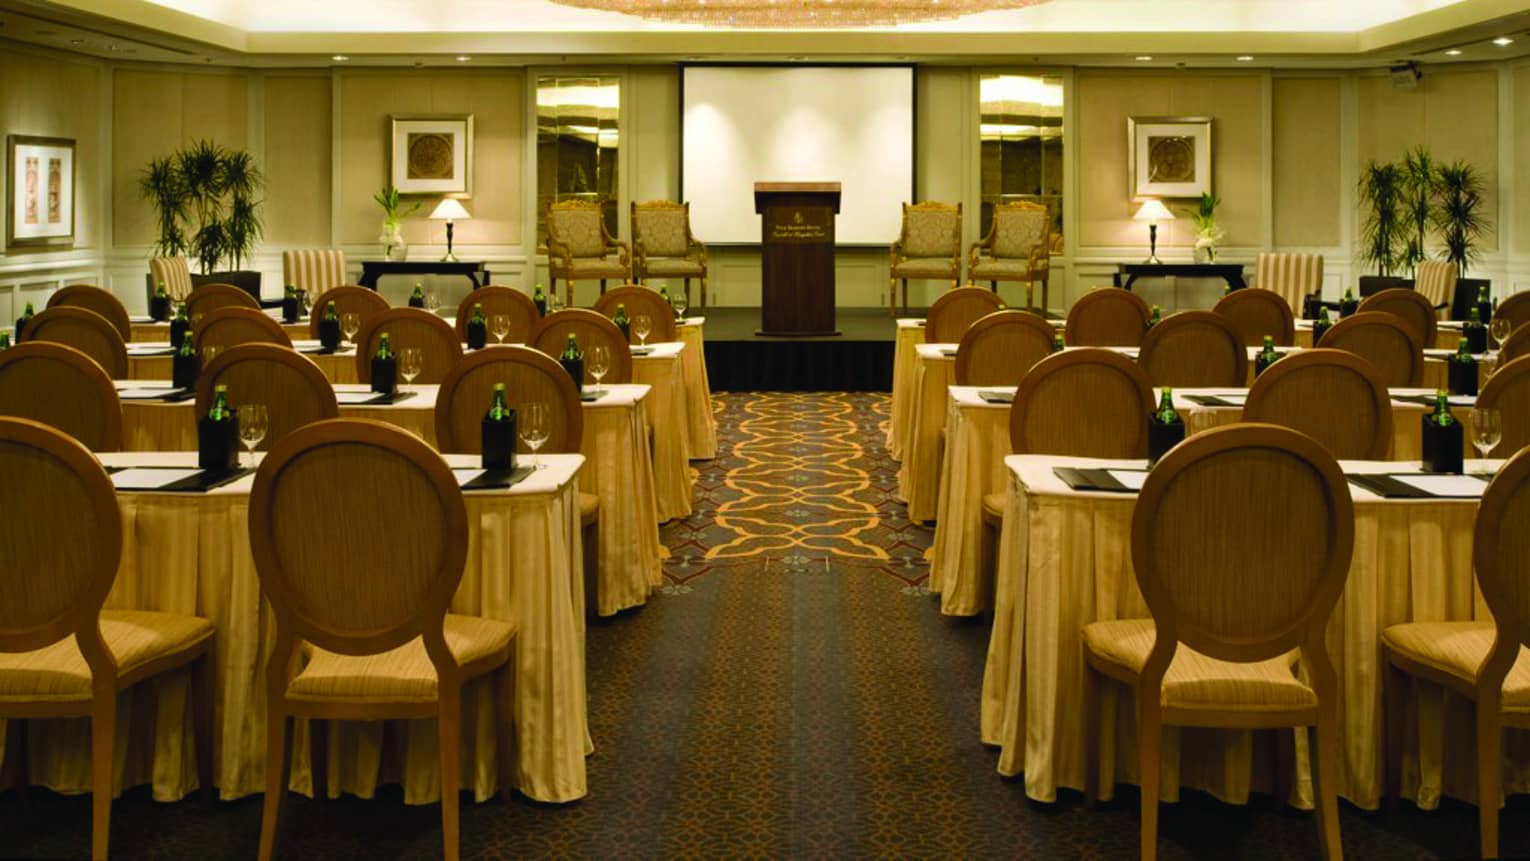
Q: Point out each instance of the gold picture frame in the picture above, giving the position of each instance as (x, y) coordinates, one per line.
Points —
(39, 191)
(431, 154)
(1168, 157)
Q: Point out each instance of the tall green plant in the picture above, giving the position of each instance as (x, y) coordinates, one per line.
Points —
(242, 226)
(205, 202)
(1459, 217)
(160, 183)
(1421, 182)
(1381, 192)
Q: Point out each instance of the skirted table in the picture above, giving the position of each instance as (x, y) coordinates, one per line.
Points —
(1412, 562)
(155, 360)
(910, 335)
(919, 473)
(619, 469)
(662, 368)
(1447, 336)
(698, 390)
(190, 553)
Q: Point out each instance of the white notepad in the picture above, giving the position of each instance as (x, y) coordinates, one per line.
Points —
(354, 398)
(1129, 478)
(143, 394)
(1462, 486)
(149, 477)
(465, 474)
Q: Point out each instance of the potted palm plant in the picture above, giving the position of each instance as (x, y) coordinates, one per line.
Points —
(206, 206)
(1207, 232)
(1381, 191)
(394, 213)
(1460, 220)
(1420, 181)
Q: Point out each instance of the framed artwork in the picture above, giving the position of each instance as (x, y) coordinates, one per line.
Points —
(1168, 156)
(39, 191)
(432, 153)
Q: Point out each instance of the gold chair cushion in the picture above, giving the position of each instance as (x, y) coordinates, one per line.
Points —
(991, 269)
(925, 267)
(931, 233)
(1196, 681)
(680, 266)
(58, 673)
(664, 230)
(993, 507)
(1457, 649)
(579, 229)
(589, 508)
(1017, 231)
(592, 267)
(404, 674)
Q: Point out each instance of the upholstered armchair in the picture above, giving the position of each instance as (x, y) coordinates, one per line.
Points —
(929, 247)
(579, 247)
(1018, 247)
(313, 270)
(664, 247)
(174, 273)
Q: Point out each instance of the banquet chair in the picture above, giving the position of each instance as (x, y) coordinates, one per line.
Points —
(313, 270)
(174, 273)
(439, 346)
(1336, 397)
(641, 300)
(61, 654)
(1383, 339)
(292, 388)
(499, 300)
(63, 388)
(210, 297)
(588, 328)
(1516, 346)
(1235, 583)
(929, 246)
(1436, 282)
(1018, 248)
(952, 314)
(1411, 307)
(1000, 348)
(1107, 317)
(1293, 276)
(1508, 391)
(232, 326)
(1515, 309)
(663, 245)
(1257, 313)
(579, 247)
(1483, 661)
(1194, 349)
(348, 299)
(93, 298)
(360, 537)
(529, 375)
(86, 331)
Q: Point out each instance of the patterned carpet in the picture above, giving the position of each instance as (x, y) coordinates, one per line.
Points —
(792, 693)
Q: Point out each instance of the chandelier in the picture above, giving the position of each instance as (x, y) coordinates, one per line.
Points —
(798, 14)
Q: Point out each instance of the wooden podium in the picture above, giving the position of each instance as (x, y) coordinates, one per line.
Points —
(797, 257)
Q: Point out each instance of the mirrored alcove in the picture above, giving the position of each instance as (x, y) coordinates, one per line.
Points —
(578, 140)
(1021, 134)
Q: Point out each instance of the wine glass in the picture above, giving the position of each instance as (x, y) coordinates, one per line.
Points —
(252, 426)
(499, 324)
(1487, 430)
(411, 360)
(350, 324)
(1489, 364)
(598, 361)
(680, 302)
(642, 325)
(532, 423)
(1500, 329)
(554, 302)
(432, 302)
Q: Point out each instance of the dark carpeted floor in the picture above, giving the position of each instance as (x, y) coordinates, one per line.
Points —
(791, 692)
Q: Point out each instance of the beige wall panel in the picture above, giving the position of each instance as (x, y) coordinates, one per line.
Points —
(366, 100)
(1235, 105)
(53, 97)
(297, 114)
(1306, 161)
(216, 108)
(146, 124)
(1522, 158)
(1103, 102)
(1461, 122)
(654, 138)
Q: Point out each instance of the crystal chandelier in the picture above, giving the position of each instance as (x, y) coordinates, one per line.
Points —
(798, 14)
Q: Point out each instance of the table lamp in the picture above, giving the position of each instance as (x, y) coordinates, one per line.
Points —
(1152, 211)
(448, 209)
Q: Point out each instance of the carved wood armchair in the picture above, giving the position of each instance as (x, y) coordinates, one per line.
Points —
(929, 247)
(579, 247)
(664, 247)
(1018, 247)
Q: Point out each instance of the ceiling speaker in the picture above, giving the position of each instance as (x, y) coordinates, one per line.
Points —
(1406, 76)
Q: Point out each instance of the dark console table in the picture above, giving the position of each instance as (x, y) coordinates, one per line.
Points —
(371, 270)
(1128, 273)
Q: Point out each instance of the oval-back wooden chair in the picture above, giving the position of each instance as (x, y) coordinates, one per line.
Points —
(1195, 349)
(1411, 307)
(210, 297)
(1386, 341)
(93, 298)
(63, 388)
(1508, 391)
(529, 375)
(360, 536)
(1000, 348)
(588, 328)
(514, 304)
(294, 390)
(86, 331)
(1235, 581)
(1479, 660)
(232, 326)
(1107, 317)
(1334, 396)
(952, 314)
(1087, 403)
(61, 654)
(1516, 346)
(348, 298)
(410, 327)
(641, 300)
(1515, 309)
(1256, 313)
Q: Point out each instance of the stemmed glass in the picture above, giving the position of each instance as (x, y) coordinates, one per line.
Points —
(598, 360)
(1500, 329)
(499, 324)
(1487, 430)
(532, 423)
(432, 302)
(681, 302)
(350, 324)
(411, 360)
(554, 302)
(642, 325)
(252, 426)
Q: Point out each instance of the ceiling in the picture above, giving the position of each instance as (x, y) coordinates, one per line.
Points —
(1137, 33)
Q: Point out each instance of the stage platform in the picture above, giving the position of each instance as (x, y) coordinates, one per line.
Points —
(859, 359)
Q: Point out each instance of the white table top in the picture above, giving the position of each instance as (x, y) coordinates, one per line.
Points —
(968, 396)
(307, 346)
(910, 322)
(936, 352)
(662, 350)
(425, 395)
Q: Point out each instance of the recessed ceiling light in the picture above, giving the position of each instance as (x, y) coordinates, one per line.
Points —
(1143, 58)
(1503, 41)
(1246, 58)
(340, 58)
(463, 58)
(1453, 52)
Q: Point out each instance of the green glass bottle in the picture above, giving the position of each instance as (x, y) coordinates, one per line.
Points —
(21, 322)
(218, 435)
(1320, 326)
(329, 328)
(5, 340)
(384, 367)
(292, 305)
(1443, 438)
(539, 299)
(1166, 414)
(159, 303)
(185, 366)
(1349, 304)
(1484, 305)
(622, 322)
(498, 432)
(1156, 316)
(1476, 333)
(1266, 357)
(180, 326)
(417, 298)
(572, 361)
(1461, 375)
(477, 329)
(1165, 428)
(1057, 344)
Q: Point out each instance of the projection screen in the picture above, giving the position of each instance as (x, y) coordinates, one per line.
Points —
(848, 124)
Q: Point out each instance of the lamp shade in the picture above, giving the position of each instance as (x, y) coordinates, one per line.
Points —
(450, 209)
(1152, 209)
